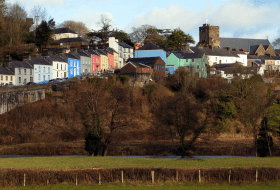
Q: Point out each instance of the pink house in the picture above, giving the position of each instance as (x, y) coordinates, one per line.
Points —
(95, 60)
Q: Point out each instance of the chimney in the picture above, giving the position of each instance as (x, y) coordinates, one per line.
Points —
(212, 47)
(59, 50)
(241, 49)
(227, 48)
(268, 54)
(26, 56)
(45, 52)
(234, 49)
(186, 48)
(7, 61)
(200, 46)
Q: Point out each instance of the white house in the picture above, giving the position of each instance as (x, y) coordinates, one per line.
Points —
(43, 69)
(60, 33)
(59, 65)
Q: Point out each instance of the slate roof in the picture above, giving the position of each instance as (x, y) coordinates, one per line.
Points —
(101, 51)
(139, 65)
(149, 46)
(65, 40)
(111, 50)
(52, 58)
(187, 55)
(215, 52)
(21, 64)
(124, 45)
(252, 57)
(253, 49)
(258, 62)
(238, 52)
(63, 30)
(37, 61)
(80, 53)
(144, 60)
(266, 57)
(5, 71)
(65, 56)
(93, 52)
(242, 43)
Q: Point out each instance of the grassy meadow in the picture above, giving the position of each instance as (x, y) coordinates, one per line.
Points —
(119, 162)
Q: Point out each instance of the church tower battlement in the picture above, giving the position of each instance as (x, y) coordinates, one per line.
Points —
(209, 35)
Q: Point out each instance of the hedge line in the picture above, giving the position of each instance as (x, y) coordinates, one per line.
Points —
(12, 177)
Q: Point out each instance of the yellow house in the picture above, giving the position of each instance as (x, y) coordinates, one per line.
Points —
(104, 60)
(116, 60)
(6, 76)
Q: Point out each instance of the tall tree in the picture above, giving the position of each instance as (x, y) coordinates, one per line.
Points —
(39, 14)
(276, 43)
(44, 33)
(78, 27)
(178, 38)
(139, 34)
(122, 36)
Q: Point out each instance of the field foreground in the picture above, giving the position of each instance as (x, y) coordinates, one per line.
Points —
(119, 162)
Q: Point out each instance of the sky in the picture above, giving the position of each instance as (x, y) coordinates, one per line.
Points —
(258, 19)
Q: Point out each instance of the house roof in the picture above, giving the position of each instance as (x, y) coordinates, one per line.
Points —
(238, 52)
(5, 71)
(124, 45)
(65, 56)
(37, 61)
(65, 40)
(149, 46)
(102, 52)
(214, 52)
(93, 52)
(143, 60)
(52, 58)
(80, 53)
(253, 49)
(141, 65)
(258, 62)
(63, 30)
(242, 43)
(187, 55)
(111, 50)
(266, 57)
(252, 57)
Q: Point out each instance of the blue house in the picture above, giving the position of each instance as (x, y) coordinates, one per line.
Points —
(74, 64)
(170, 69)
(150, 50)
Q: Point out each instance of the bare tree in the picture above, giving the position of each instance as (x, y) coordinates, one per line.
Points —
(139, 34)
(39, 14)
(78, 27)
(276, 43)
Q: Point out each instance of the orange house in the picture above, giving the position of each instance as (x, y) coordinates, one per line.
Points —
(111, 60)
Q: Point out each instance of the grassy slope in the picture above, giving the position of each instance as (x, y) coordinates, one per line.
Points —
(117, 162)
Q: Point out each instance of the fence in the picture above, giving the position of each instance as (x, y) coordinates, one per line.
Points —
(12, 177)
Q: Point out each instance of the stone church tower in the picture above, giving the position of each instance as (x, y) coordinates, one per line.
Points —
(209, 35)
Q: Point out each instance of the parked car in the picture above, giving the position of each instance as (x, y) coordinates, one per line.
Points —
(9, 85)
(31, 83)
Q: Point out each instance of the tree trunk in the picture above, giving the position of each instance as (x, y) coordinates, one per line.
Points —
(105, 149)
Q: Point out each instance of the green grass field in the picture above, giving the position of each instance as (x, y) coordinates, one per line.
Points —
(193, 186)
(118, 162)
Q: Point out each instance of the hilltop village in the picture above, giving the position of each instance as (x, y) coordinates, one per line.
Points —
(213, 56)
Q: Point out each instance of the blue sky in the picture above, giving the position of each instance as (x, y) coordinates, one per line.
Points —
(244, 19)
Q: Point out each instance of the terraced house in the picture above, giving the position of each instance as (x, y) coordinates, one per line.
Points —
(43, 69)
(74, 64)
(195, 62)
(60, 66)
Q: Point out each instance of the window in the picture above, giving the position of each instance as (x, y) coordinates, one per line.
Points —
(11, 78)
(216, 58)
(7, 78)
(71, 63)
(19, 71)
(57, 66)
(49, 69)
(24, 71)
(39, 68)
(71, 71)
(64, 67)
(24, 82)
(44, 69)
(31, 79)
(39, 77)
(49, 77)
(30, 71)
(19, 79)
(61, 66)
(1, 77)
(57, 74)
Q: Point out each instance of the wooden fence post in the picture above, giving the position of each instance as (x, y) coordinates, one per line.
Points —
(122, 175)
(153, 176)
(177, 176)
(199, 176)
(24, 180)
(47, 182)
(229, 176)
(76, 179)
(256, 175)
(99, 179)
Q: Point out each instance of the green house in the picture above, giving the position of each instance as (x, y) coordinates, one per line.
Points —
(190, 60)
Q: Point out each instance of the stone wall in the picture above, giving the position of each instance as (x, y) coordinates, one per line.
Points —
(12, 97)
(209, 35)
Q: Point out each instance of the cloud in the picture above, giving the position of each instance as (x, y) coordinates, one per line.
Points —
(235, 18)
(39, 2)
